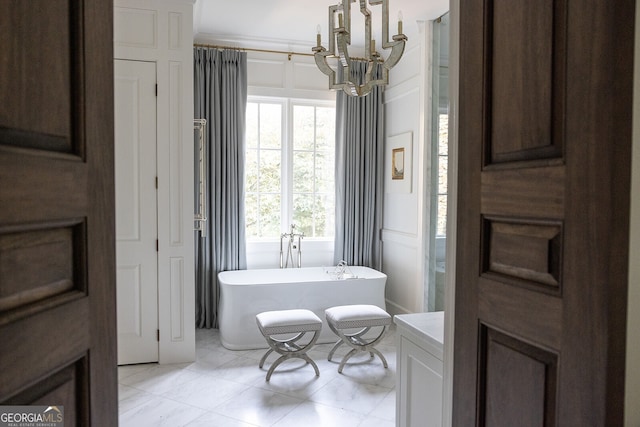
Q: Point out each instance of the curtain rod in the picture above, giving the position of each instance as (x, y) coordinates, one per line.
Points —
(248, 49)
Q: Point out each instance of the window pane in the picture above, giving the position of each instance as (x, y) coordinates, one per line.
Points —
(270, 125)
(303, 213)
(252, 125)
(251, 171)
(251, 214)
(324, 215)
(270, 161)
(325, 128)
(443, 138)
(325, 172)
(442, 174)
(303, 127)
(302, 172)
(441, 228)
(269, 215)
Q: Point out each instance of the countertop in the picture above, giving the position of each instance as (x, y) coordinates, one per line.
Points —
(428, 328)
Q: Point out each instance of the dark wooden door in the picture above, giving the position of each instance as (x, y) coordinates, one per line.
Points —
(544, 146)
(57, 251)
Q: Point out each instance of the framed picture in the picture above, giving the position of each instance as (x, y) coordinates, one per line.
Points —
(398, 163)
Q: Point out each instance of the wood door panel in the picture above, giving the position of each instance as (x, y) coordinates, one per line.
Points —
(68, 387)
(514, 372)
(523, 252)
(39, 69)
(32, 197)
(44, 342)
(38, 264)
(57, 214)
(524, 79)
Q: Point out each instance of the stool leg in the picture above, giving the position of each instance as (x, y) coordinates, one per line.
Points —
(384, 361)
(264, 358)
(345, 358)
(312, 363)
(333, 350)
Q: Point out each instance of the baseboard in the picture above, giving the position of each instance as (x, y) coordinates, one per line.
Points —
(393, 308)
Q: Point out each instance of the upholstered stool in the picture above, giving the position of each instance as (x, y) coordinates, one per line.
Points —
(297, 322)
(362, 317)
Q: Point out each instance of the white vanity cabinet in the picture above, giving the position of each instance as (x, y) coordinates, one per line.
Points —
(419, 369)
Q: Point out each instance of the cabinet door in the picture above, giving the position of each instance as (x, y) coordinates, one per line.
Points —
(419, 398)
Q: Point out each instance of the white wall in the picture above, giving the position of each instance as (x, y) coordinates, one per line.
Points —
(632, 392)
(408, 107)
(160, 31)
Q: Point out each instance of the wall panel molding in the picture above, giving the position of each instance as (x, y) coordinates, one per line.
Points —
(136, 27)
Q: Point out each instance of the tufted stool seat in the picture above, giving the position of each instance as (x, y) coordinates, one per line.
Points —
(363, 318)
(287, 322)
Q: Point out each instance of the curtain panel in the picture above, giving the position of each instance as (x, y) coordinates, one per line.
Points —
(359, 173)
(220, 97)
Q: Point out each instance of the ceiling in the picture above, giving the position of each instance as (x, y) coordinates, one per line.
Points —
(251, 23)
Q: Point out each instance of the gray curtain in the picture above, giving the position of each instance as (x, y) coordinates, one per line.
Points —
(359, 174)
(220, 97)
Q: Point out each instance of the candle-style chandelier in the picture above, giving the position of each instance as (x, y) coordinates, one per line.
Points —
(340, 40)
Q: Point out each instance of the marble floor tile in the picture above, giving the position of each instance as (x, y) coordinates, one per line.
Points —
(160, 412)
(216, 420)
(376, 422)
(311, 414)
(160, 378)
(130, 397)
(225, 388)
(258, 406)
(343, 393)
(205, 392)
(386, 409)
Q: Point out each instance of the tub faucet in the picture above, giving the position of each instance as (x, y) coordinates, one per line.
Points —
(291, 246)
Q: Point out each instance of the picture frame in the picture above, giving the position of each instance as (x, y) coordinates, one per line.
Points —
(399, 163)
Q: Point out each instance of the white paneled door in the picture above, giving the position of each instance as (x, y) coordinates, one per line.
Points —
(136, 211)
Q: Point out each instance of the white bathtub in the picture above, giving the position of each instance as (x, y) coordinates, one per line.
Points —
(245, 293)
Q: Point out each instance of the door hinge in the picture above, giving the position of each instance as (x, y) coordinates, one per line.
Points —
(158, 335)
(157, 246)
(156, 89)
(156, 182)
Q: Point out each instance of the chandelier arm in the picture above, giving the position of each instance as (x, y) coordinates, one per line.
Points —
(323, 65)
(397, 49)
(343, 52)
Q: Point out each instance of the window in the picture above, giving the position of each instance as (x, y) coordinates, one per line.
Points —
(443, 157)
(289, 169)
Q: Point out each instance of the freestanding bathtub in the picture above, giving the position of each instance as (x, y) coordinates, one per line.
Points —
(245, 293)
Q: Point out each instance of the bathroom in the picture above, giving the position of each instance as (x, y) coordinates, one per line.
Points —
(412, 253)
(284, 82)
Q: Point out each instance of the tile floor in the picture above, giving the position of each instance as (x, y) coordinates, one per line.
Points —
(224, 388)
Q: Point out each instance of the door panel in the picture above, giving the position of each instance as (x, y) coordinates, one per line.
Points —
(136, 211)
(57, 252)
(544, 143)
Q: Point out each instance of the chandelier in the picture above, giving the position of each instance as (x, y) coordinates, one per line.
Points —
(340, 40)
